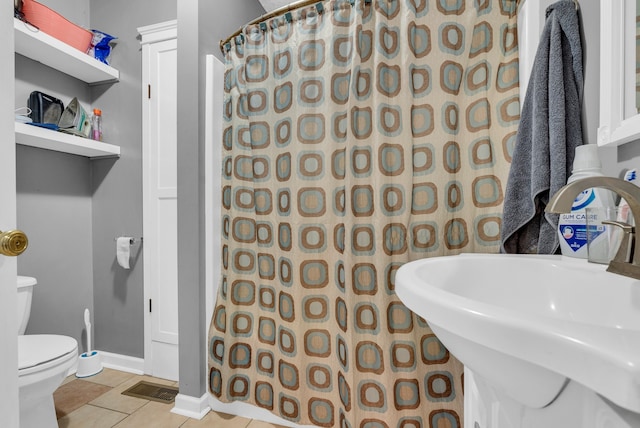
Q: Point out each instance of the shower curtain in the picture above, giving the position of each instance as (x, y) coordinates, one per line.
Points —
(358, 135)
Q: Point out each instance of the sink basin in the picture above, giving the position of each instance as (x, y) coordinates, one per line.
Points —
(528, 324)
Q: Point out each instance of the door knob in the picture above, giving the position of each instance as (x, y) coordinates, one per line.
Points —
(13, 242)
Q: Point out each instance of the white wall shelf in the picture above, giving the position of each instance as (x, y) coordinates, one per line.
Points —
(50, 51)
(29, 135)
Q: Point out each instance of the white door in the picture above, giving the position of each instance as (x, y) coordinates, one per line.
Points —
(8, 287)
(160, 221)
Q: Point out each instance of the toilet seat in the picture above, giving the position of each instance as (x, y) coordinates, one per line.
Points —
(44, 360)
(38, 352)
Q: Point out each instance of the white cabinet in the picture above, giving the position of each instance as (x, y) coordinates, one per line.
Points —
(160, 198)
(47, 50)
(619, 115)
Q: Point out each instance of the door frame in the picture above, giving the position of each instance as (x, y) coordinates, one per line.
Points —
(9, 403)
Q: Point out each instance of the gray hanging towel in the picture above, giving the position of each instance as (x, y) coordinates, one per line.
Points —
(550, 129)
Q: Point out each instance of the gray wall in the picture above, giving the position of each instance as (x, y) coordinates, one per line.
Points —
(54, 206)
(117, 184)
(54, 209)
(201, 25)
(590, 19)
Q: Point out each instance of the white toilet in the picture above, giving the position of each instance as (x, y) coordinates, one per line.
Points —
(43, 362)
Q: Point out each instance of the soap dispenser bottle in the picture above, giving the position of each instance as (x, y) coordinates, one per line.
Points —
(572, 228)
(96, 125)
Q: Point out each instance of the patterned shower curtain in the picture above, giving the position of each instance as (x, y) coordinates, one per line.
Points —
(358, 135)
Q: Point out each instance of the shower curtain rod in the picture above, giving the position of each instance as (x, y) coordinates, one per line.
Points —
(279, 11)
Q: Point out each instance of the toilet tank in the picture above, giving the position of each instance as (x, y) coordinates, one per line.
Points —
(25, 294)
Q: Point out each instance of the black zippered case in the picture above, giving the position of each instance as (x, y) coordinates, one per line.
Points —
(44, 108)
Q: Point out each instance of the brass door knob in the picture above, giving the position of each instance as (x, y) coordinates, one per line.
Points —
(13, 242)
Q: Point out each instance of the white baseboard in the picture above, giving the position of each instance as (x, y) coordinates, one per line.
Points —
(123, 363)
(192, 407)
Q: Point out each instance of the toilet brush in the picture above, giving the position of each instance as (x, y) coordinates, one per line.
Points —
(89, 362)
(87, 325)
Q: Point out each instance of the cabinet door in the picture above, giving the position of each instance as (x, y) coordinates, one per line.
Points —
(160, 208)
(8, 285)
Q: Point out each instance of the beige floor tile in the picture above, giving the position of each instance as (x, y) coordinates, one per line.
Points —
(91, 417)
(114, 400)
(153, 415)
(218, 420)
(260, 424)
(74, 394)
(155, 380)
(110, 377)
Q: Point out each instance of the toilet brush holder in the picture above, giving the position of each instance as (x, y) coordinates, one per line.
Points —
(89, 364)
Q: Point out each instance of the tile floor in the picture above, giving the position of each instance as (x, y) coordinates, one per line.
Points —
(97, 402)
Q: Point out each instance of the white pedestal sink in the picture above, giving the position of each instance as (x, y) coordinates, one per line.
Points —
(540, 336)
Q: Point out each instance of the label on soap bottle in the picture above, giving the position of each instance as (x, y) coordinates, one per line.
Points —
(573, 229)
(573, 226)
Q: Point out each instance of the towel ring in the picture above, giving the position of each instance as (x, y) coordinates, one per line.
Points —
(577, 4)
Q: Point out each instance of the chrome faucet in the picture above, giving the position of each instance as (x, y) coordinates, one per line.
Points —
(627, 260)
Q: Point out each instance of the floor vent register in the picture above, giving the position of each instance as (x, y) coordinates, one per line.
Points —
(152, 391)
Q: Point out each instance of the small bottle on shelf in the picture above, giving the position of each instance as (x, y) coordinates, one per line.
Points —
(96, 125)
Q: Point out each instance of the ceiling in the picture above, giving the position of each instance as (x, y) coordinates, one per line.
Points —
(270, 5)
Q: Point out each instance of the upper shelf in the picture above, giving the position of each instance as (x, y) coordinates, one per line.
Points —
(50, 51)
(34, 136)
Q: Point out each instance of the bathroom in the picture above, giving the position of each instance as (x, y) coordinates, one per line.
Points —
(73, 208)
